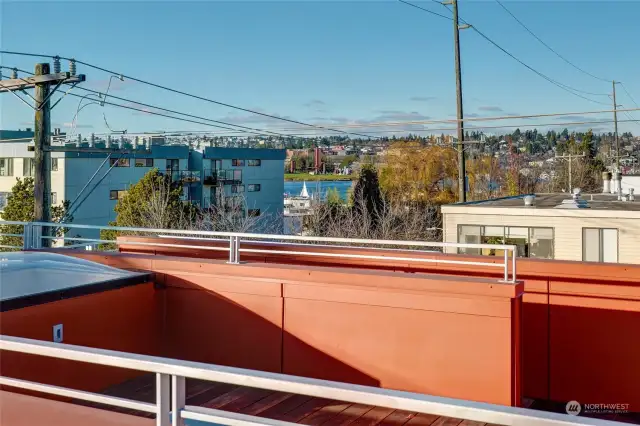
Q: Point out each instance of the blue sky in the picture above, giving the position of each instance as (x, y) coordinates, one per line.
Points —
(326, 61)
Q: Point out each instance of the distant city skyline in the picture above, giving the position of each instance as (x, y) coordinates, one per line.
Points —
(328, 62)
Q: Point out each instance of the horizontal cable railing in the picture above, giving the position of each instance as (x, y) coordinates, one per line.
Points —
(170, 407)
(279, 244)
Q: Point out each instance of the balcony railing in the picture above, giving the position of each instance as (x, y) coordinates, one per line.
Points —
(184, 176)
(33, 237)
(170, 406)
(222, 176)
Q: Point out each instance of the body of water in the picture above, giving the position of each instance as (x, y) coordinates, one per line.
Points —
(321, 187)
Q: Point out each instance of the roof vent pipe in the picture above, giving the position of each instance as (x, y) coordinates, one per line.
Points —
(606, 182)
(616, 184)
(631, 196)
(529, 200)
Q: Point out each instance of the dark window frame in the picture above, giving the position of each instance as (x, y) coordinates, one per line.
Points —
(504, 233)
(253, 212)
(120, 162)
(235, 162)
(256, 187)
(148, 162)
(254, 162)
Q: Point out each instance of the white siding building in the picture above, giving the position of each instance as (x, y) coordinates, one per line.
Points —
(595, 227)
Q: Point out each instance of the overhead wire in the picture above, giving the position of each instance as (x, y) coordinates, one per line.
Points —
(103, 95)
(549, 47)
(180, 92)
(628, 114)
(569, 89)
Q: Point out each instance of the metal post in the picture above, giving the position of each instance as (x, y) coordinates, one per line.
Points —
(178, 400)
(237, 249)
(27, 236)
(163, 400)
(615, 121)
(506, 265)
(513, 266)
(232, 251)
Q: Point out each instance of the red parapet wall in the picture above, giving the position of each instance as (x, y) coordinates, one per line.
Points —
(579, 319)
(441, 335)
(127, 319)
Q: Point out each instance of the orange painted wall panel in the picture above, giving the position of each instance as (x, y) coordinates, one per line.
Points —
(434, 352)
(234, 329)
(595, 350)
(128, 319)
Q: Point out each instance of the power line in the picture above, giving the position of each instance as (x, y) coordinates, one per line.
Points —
(451, 129)
(104, 95)
(253, 130)
(497, 118)
(549, 47)
(426, 10)
(564, 87)
(628, 114)
(158, 86)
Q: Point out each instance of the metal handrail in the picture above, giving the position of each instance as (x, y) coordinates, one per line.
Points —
(236, 239)
(171, 374)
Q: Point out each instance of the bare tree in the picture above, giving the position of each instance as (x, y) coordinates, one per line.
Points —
(230, 214)
(400, 221)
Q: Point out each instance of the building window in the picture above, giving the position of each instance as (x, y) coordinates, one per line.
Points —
(28, 167)
(173, 165)
(253, 212)
(237, 163)
(254, 163)
(529, 242)
(4, 198)
(6, 166)
(54, 164)
(116, 194)
(54, 198)
(253, 187)
(600, 245)
(237, 175)
(119, 162)
(237, 189)
(144, 162)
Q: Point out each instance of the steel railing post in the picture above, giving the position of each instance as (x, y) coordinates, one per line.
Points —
(36, 234)
(163, 399)
(232, 252)
(506, 265)
(237, 249)
(513, 266)
(178, 400)
(27, 238)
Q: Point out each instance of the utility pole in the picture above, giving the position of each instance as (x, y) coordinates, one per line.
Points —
(462, 193)
(570, 157)
(615, 121)
(42, 156)
(41, 82)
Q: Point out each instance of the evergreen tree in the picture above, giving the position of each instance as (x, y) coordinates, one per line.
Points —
(21, 208)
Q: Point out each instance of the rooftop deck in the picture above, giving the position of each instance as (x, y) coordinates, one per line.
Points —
(434, 338)
(278, 405)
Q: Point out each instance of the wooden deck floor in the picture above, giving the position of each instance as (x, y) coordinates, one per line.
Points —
(280, 406)
(302, 409)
